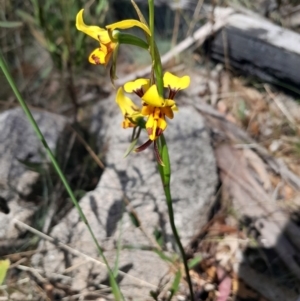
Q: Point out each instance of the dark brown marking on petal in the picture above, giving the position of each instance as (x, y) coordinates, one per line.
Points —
(149, 131)
(109, 48)
(143, 146)
(139, 92)
(172, 93)
(96, 59)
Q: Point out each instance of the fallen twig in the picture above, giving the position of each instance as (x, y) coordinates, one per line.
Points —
(77, 253)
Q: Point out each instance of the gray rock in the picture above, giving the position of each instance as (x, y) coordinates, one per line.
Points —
(18, 143)
(136, 179)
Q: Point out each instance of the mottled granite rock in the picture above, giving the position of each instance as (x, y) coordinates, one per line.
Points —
(135, 178)
(18, 143)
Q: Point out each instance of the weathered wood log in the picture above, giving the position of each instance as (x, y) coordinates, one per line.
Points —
(260, 48)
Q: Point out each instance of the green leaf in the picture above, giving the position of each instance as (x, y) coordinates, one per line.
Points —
(131, 147)
(158, 71)
(10, 24)
(163, 256)
(115, 288)
(195, 261)
(125, 38)
(38, 167)
(158, 237)
(134, 219)
(79, 193)
(175, 285)
(101, 7)
(4, 266)
(137, 247)
(165, 171)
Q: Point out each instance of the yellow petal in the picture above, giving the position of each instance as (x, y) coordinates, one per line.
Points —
(126, 123)
(176, 83)
(169, 102)
(174, 108)
(147, 110)
(157, 113)
(162, 124)
(95, 32)
(168, 112)
(150, 122)
(125, 24)
(137, 84)
(151, 97)
(126, 105)
(151, 126)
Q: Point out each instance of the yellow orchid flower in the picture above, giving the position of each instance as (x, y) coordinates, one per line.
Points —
(130, 111)
(155, 108)
(105, 37)
(156, 122)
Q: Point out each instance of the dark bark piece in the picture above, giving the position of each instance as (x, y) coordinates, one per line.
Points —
(260, 48)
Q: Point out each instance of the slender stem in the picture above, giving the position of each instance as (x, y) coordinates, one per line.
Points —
(55, 164)
(151, 25)
(165, 173)
(157, 67)
(177, 238)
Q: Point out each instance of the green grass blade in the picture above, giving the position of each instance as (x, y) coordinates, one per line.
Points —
(175, 285)
(4, 266)
(10, 24)
(130, 148)
(195, 261)
(61, 175)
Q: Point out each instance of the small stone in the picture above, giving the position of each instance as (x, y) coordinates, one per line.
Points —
(275, 145)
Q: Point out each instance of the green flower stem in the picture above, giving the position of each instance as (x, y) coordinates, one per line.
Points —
(165, 173)
(113, 68)
(118, 294)
(154, 52)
